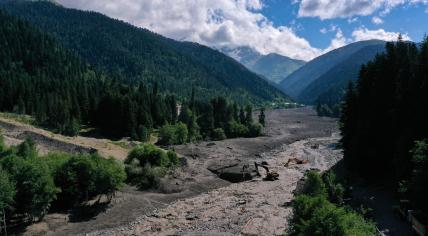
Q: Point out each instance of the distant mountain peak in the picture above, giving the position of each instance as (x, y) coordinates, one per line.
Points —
(273, 66)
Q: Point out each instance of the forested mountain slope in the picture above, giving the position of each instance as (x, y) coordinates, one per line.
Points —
(298, 81)
(338, 77)
(39, 77)
(134, 55)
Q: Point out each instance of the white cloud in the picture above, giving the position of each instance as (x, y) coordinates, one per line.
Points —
(323, 30)
(329, 9)
(214, 23)
(338, 41)
(377, 20)
(352, 20)
(363, 33)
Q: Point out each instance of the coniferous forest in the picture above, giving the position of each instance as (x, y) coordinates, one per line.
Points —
(135, 55)
(384, 120)
(40, 78)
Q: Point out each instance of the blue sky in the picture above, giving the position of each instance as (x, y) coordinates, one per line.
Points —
(411, 19)
(301, 29)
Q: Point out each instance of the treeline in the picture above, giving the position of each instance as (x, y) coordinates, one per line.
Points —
(385, 114)
(30, 184)
(40, 78)
(214, 120)
(319, 210)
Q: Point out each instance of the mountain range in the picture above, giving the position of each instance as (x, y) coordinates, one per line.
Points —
(331, 71)
(139, 55)
(273, 67)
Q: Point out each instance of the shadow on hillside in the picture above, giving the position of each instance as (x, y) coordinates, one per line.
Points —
(87, 212)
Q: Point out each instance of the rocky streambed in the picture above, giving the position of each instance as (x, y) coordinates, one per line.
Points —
(254, 207)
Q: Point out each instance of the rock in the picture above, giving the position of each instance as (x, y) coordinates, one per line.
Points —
(210, 144)
(191, 216)
(242, 202)
(238, 173)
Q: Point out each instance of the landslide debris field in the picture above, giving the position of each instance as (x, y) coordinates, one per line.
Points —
(216, 192)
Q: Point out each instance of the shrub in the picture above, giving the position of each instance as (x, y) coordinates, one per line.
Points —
(335, 191)
(315, 215)
(146, 164)
(84, 176)
(181, 133)
(35, 188)
(173, 158)
(314, 185)
(218, 134)
(235, 129)
(173, 134)
(254, 130)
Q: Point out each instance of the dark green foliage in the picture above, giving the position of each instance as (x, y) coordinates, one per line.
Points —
(235, 129)
(386, 113)
(262, 117)
(7, 192)
(173, 134)
(138, 55)
(82, 177)
(315, 215)
(35, 188)
(329, 103)
(147, 164)
(254, 130)
(218, 134)
(30, 183)
(40, 78)
(314, 185)
(335, 190)
(216, 120)
(419, 180)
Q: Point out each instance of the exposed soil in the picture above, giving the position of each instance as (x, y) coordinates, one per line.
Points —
(15, 132)
(193, 200)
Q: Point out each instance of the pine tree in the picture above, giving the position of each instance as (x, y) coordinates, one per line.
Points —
(262, 117)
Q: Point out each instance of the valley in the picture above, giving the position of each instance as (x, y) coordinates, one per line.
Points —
(212, 118)
(291, 133)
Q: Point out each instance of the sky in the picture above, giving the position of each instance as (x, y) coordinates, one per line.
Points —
(300, 29)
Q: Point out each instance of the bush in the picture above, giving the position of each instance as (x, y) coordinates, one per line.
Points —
(314, 185)
(218, 134)
(35, 188)
(83, 177)
(315, 215)
(173, 134)
(254, 130)
(146, 164)
(235, 129)
(335, 191)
